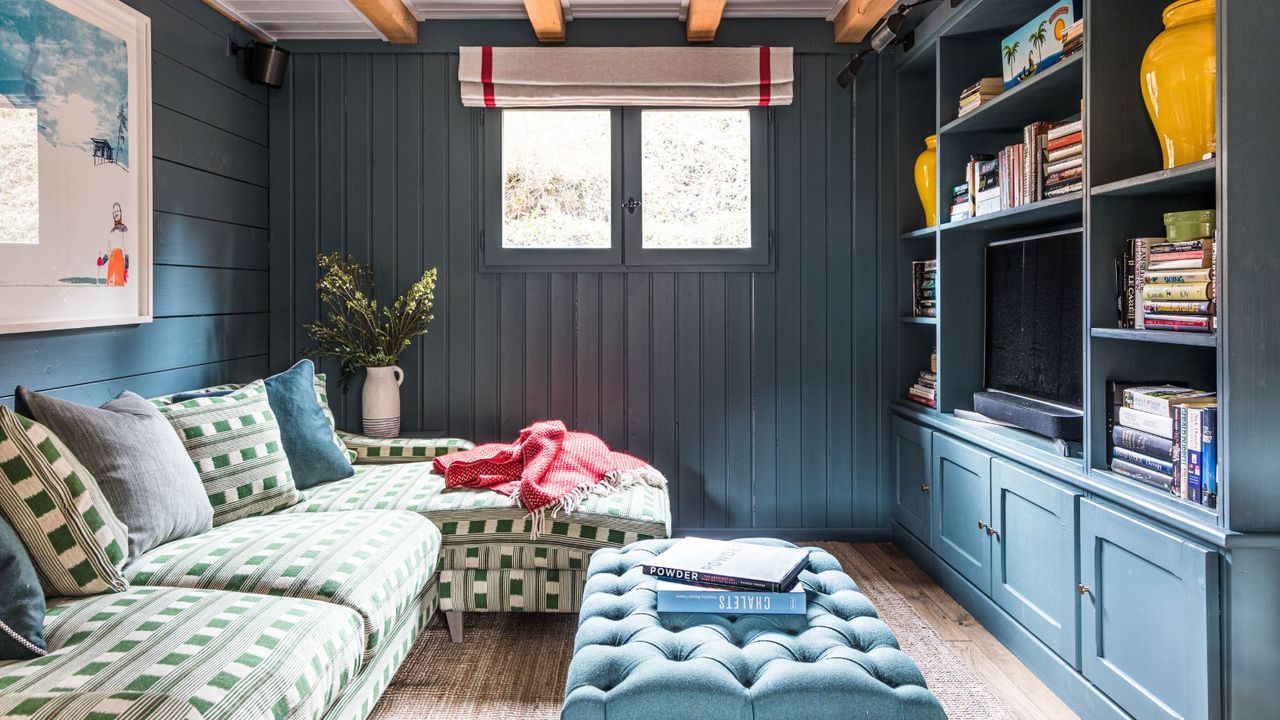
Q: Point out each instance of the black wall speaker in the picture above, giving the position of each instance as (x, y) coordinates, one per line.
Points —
(267, 64)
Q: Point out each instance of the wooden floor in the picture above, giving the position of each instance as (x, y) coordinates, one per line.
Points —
(1010, 681)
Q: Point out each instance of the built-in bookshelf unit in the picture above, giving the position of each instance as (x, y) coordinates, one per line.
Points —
(1125, 194)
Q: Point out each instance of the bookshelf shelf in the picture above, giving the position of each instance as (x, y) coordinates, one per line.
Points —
(921, 233)
(913, 320)
(1149, 493)
(1043, 213)
(1052, 96)
(1157, 336)
(1198, 178)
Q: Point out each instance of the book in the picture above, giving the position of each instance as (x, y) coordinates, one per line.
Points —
(1064, 153)
(1179, 307)
(1065, 129)
(680, 598)
(1142, 474)
(1184, 260)
(1181, 246)
(1139, 247)
(1162, 399)
(1161, 425)
(1061, 190)
(1075, 138)
(1177, 291)
(1146, 461)
(926, 393)
(927, 403)
(732, 565)
(1177, 277)
(1209, 456)
(1061, 165)
(1193, 473)
(1181, 323)
(1143, 443)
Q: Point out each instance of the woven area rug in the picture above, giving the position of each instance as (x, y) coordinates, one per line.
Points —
(512, 666)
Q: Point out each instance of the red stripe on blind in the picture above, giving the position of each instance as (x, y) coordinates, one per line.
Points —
(486, 75)
(766, 76)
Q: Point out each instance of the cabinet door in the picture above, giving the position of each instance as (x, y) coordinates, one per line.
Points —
(962, 508)
(912, 458)
(1148, 616)
(1033, 554)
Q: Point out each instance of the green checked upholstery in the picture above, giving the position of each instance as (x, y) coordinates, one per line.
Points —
(369, 450)
(96, 706)
(375, 563)
(228, 655)
(511, 590)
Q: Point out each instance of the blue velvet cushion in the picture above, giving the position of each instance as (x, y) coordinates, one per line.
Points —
(21, 600)
(307, 437)
(840, 661)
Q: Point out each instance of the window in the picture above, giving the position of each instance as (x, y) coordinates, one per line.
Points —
(616, 188)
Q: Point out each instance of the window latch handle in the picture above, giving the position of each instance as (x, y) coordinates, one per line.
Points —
(631, 204)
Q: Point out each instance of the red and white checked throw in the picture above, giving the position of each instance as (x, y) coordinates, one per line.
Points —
(547, 467)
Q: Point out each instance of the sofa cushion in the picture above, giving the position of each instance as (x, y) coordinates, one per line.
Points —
(76, 543)
(229, 655)
(314, 454)
(21, 602)
(375, 563)
(136, 459)
(234, 441)
(95, 706)
(482, 529)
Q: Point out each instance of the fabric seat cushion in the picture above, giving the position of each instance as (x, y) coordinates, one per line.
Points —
(482, 529)
(375, 563)
(229, 655)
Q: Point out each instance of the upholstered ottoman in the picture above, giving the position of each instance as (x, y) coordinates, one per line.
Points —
(838, 662)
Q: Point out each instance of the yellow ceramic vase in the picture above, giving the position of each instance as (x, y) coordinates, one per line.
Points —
(1179, 82)
(926, 180)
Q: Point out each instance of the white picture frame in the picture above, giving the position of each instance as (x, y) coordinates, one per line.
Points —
(89, 263)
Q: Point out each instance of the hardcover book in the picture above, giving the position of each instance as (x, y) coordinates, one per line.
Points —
(1141, 474)
(1161, 425)
(1162, 399)
(732, 565)
(1143, 443)
(678, 597)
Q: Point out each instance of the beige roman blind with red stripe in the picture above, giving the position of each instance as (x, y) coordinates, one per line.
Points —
(644, 76)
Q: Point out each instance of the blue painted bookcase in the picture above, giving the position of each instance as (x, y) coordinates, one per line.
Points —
(1127, 601)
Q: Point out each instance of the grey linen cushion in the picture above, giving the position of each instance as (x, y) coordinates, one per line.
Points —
(139, 462)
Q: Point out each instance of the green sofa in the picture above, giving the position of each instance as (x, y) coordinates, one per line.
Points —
(307, 613)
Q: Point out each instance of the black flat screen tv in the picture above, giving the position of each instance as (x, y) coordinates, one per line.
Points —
(1034, 318)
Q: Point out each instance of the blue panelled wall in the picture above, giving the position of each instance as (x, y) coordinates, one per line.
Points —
(211, 233)
(755, 393)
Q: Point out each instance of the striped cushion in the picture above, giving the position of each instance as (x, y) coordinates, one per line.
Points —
(370, 450)
(228, 655)
(512, 590)
(76, 543)
(234, 442)
(322, 394)
(373, 562)
(95, 706)
(482, 529)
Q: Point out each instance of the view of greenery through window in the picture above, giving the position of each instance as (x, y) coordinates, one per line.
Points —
(696, 176)
(556, 178)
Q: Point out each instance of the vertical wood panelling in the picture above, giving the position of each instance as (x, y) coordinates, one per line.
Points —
(210, 239)
(751, 392)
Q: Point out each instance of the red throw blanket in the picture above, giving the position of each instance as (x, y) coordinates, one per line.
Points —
(547, 467)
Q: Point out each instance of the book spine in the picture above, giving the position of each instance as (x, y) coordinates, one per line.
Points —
(1209, 457)
(1142, 442)
(1146, 422)
(1180, 452)
(727, 582)
(731, 602)
(1183, 323)
(1195, 455)
(1139, 274)
(1141, 474)
(1137, 399)
(1179, 277)
(1178, 307)
(1146, 461)
(1182, 246)
(1190, 263)
(1180, 291)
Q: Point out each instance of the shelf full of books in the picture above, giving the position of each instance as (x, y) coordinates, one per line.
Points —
(924, 288)
(1170, 283)
(1048, 163)
(1166, 436)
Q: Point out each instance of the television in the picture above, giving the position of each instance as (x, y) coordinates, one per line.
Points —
(1034, 349)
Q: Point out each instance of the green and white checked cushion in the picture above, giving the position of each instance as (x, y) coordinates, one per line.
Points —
(370, 450)
(512, 590)
(76, 542)
(231, 656)
(482, 529)
(95, 706)
(234, 442)
(376, 563)
(322, 394)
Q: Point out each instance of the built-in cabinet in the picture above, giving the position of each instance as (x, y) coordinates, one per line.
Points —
(962, 508)
(912, 456)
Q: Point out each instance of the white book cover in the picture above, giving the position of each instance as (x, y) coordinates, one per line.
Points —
(1146, 422)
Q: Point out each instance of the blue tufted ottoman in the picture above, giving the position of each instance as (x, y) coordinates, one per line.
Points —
(840, 661)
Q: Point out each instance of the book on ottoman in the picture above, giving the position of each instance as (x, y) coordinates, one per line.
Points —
(682, 598)
(730, 565)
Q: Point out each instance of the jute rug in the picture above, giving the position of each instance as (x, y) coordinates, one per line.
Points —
(512, 666)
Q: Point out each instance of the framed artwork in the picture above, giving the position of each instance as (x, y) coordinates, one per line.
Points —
(75, 165)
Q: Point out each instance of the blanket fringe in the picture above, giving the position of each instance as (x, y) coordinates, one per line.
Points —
(614, 481)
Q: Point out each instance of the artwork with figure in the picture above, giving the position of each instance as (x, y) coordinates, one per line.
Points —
(73, 183)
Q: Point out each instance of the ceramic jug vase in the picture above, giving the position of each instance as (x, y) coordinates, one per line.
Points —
(1179, 82)
(926, 180)
(380, 405)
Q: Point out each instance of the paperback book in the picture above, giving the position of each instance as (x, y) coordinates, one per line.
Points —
(677, 597)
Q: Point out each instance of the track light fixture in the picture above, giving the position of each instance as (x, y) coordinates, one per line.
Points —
(845, 78)
(883, 36)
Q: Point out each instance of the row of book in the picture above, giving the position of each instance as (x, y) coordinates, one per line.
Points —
(1048, 163)
(697, 575)
(1170, 283)
(979, 94)
(925, 389)
(1166, 435)
(924, 288)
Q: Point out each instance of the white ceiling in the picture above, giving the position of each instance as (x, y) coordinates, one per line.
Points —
(336, 19)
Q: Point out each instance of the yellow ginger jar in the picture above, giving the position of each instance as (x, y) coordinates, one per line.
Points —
(927, 178)
(1179, 82)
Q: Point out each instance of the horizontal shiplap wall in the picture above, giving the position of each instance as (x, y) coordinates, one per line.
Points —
(211, 171)
(754, 393)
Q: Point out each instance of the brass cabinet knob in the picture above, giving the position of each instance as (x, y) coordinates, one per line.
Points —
(1083, 589)
(982, 525)
(992, 532)
(924, 488)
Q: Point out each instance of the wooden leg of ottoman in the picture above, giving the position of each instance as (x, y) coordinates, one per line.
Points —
(454, 618)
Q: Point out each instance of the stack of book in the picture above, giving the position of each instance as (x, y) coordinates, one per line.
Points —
(924, 288)
(960, 207)
(1064, 160)
(925, 388)
(1170, 283)
(697, 575)
(983, 173)
(979, 94)
(1165, 435)
(1073, 39)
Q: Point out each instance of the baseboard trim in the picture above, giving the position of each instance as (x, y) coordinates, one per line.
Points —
(792, 534)
(1075, 690)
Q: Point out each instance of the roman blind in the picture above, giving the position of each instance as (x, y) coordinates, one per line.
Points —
(635, 76)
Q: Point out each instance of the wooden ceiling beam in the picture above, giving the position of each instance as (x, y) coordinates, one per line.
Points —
(857, 17)
(547, 18)
(703, 20)
(391, 18)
